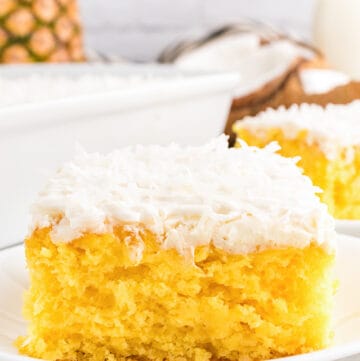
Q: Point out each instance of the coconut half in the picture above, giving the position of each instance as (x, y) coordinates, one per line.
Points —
(275, 70)
(259, 64)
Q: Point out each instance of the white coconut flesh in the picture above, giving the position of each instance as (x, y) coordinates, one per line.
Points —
(320, 81)
(258, 64)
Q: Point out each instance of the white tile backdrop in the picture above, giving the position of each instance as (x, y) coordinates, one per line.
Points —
(140, 29)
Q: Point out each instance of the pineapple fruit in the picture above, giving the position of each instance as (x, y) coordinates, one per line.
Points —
(40, 30)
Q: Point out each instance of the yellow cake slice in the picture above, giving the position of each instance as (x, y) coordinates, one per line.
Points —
(179, 253)
(327, 141)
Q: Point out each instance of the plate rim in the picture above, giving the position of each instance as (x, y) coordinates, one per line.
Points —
(348, 221)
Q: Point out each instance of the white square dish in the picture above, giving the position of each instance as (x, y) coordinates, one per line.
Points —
(36, 137)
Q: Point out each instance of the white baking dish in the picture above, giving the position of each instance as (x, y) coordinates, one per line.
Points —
(36, 138)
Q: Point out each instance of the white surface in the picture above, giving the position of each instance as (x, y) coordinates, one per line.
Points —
(239, 199)
(37, 139)
(13, 281)
(339, 43)
(140, 29)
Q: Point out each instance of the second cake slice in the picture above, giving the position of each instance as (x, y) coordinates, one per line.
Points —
(327, 142)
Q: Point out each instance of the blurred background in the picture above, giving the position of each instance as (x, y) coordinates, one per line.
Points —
(94, 75)
(140, 29)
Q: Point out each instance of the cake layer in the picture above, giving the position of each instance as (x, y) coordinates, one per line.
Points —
(92, 300)
(239, 200)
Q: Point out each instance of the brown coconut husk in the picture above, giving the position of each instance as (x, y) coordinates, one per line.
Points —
(289, 93)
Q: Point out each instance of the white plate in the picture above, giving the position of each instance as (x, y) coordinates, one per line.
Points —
(349, 227)
(13, 281)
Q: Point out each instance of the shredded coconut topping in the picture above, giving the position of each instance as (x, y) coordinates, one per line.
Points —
(38, 87)
(332, 128)
(240, 200)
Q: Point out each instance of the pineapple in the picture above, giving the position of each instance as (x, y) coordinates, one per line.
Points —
(40, 30)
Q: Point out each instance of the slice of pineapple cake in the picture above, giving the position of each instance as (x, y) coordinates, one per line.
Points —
(179, 253)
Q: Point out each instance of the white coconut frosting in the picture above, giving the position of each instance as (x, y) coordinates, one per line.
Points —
(241, 200)
(332, 128)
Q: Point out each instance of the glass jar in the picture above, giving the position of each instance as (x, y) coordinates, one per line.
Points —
(337, 34)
